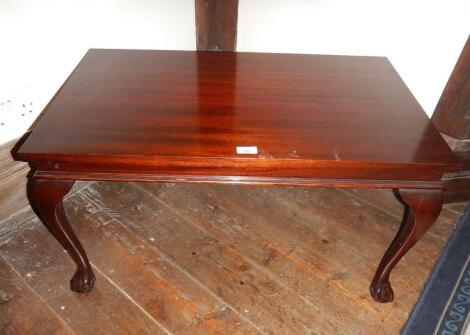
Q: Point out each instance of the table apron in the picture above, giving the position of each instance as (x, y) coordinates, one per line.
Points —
(167, 178)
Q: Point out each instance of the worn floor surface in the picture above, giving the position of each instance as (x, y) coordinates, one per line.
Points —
(213, 259)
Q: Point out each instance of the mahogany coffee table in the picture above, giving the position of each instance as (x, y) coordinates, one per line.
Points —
(246, 118)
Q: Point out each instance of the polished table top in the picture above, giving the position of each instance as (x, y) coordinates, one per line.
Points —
(307, 116)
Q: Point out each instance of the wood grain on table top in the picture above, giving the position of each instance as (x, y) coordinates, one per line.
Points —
(330, 111)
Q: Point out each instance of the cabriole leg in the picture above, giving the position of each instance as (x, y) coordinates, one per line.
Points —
(46, 198)
(422, 207)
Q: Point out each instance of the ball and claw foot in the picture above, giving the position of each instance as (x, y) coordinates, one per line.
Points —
(382, 292)
(82, 281)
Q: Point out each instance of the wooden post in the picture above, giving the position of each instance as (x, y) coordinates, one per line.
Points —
(216, 25)
(452, 114)
(452, 119)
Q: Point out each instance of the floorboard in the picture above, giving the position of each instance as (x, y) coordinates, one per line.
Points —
(12, 182)
(170, 295)
(22, 310)
(43, 264)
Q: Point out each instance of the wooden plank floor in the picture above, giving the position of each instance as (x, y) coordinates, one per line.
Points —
(214, 259)
(12, 182)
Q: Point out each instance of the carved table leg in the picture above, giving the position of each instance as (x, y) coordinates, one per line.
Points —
(422, 207)
(46, 197)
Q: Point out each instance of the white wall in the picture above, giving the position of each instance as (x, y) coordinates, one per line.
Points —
(422, 38)
(41, 41)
